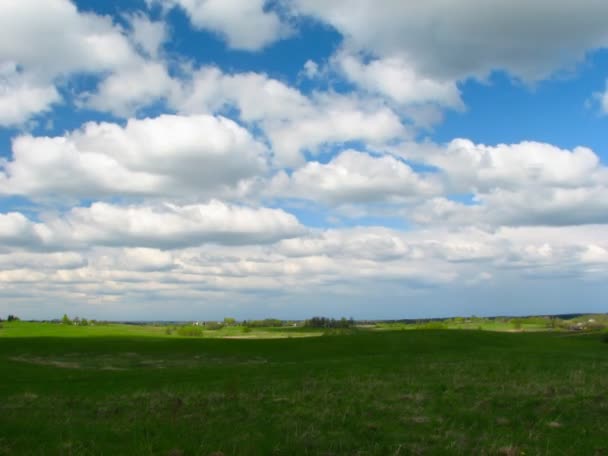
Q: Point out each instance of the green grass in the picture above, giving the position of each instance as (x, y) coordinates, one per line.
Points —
(29, 329)
(101, 391)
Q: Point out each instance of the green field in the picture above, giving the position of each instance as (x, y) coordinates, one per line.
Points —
(131, 390)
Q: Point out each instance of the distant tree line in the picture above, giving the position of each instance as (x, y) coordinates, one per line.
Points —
(76, 321)
(323, 322)
(266, 323)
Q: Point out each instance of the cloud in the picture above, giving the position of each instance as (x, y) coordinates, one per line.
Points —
(396, 79)
(42, 261)
(362, 262)
(166, 155)
(354, 177)
(248, 25)
(604, 101)
(163, 226)
(334, 120)
(82, 43)
(131, 88)
(21, 96)
(148, 35)
(529, 183)
(292, 122)
(477, 167)
(455, 40)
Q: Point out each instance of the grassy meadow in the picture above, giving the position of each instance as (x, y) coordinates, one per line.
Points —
(143, 390)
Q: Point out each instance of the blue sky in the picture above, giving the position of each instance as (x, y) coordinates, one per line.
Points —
(201, 158)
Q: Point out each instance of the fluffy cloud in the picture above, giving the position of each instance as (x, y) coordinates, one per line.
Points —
(42, 261)
(244, 25)
(520, 184)
(367, 262)
(21, 96)
(81, 43)
(355, 177)
(471, 167)
(161, 226)
(131, 88)
(293, 122)
(148, 35)
(156, 156)
(397, 79)
(454, 40)
(333, 120)
(255, 95)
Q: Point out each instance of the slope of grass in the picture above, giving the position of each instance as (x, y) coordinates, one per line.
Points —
(384, 393)
(33, 329)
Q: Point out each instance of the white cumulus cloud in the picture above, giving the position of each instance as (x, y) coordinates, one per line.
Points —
(166, 155)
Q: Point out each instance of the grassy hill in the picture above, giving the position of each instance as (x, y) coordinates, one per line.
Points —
(114, 391)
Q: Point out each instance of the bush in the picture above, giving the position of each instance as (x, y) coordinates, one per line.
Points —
(213, 325)
(517, 323)
(190, 331)
(266, 323)
(229, 321)
(322, 322)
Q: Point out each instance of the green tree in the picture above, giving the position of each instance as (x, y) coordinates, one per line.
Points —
(66, 320)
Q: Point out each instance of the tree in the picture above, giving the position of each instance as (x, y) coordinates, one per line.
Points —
(12, 318)
(229, 321)
(66, 320)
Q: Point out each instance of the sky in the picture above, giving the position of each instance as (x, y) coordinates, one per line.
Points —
(197, 159)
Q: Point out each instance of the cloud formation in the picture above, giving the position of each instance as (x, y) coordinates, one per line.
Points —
(163, 226)
(166, 155)
(455, 40)
(299, 154)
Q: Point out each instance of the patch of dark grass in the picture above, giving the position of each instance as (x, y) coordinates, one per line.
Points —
(420, 392)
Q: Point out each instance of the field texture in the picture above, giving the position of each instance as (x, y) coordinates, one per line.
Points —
(117, 392)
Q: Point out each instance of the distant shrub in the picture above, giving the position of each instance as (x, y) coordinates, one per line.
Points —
(213, 325)
(604, 338)
(339, 331)
(246, 329)
(517, 323)
(266, 323)
(322, 322)
(66, 320)
(12, 318)
(168, 331)
(190, 331)
(229, 321)
(596, 326)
